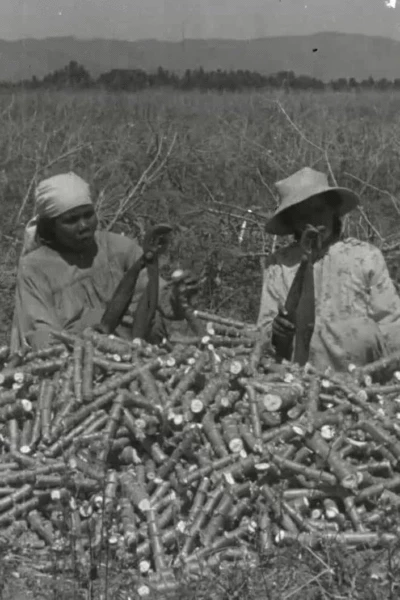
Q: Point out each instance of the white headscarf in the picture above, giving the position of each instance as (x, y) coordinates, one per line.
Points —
(54, 197)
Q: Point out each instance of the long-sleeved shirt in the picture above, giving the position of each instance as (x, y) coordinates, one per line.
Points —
(61, 292)
(357, 309)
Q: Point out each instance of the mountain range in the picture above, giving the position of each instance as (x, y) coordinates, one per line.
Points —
(325, 56)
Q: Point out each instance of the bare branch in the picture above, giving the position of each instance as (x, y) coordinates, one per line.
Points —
(146, 179)
(383, 192)
(40, 169)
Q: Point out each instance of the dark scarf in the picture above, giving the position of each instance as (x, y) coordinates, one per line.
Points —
(300, 307)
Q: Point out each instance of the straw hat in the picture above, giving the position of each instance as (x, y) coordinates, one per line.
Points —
(304, 185)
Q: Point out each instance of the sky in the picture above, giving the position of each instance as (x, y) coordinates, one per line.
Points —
(175, 19)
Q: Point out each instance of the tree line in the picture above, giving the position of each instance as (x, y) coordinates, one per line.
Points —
(75, 76)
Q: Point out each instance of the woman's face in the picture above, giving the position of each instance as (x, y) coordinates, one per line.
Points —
(75, 229)
(316, 211)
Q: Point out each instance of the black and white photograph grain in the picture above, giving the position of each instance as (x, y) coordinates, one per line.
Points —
(200, 300)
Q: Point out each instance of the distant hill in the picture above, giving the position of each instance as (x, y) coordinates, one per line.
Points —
(325, 56)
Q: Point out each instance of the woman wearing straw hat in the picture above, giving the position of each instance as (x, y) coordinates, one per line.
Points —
(347, 310)
(69, 270)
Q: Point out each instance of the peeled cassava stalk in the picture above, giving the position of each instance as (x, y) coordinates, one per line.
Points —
(203, 400)
(279, 396)
(46, 411)
(214, 436)
(255, 418)
(205, 316)
(345, 474)
(44, 392)
(118, 305)
(231, 434)
(78, 369)
(65, 385)
(87, 371)
(190, 456)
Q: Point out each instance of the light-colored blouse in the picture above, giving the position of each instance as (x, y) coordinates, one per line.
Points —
(65, 292)
(357, 307)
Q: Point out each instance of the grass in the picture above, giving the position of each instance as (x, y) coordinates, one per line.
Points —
(226, 148)
(293, 573)
(197, 160)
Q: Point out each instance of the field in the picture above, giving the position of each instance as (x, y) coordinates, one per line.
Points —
(200, 161)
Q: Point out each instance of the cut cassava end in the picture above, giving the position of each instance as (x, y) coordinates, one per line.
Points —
(179, 486)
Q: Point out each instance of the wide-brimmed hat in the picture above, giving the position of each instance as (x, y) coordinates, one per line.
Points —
(304, 185)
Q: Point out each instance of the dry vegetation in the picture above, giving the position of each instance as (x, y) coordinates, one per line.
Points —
(198, 160)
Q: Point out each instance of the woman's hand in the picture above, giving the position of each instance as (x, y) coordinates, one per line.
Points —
(282, 328)
(185, 284)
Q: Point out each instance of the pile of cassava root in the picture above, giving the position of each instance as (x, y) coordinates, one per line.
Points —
(182, 458)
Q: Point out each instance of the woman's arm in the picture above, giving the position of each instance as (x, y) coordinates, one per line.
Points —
(384, 300)
(34, 315)
(129, 251)
(273, 295)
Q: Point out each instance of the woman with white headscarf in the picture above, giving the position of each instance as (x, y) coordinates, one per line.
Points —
(68, 269)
